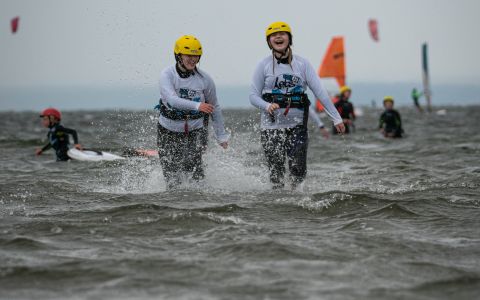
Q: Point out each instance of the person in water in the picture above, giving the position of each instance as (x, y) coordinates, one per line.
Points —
(57, 134)
(278, 89)
(345, 109)
(188, 99)
(390, 123)
(415, 97)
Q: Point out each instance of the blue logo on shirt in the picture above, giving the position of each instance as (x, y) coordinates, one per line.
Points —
(288, 84)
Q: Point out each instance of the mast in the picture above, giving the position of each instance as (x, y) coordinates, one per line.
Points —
(426, 79)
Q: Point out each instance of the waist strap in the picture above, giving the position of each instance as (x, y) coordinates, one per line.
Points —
(175, 114)
(288, 101)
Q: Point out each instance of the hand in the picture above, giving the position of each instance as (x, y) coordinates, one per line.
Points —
(340, 128)
(224, 145)
(38, 151)
(272, 108)
(78, 146)
(347, 121)
(206, 108)
(324, 133)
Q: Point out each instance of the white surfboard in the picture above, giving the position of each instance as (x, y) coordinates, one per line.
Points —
(90, 155)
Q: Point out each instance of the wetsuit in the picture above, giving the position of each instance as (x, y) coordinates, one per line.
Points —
(181, 135)
(58, 140)
(415, 97)
(345, 109)
(391, 123)
(284, 133)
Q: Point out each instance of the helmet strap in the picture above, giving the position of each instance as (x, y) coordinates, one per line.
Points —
(182, 71)
(284, 55)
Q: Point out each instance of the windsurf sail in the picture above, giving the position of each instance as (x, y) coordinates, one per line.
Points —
(425, 75)
(373, 28)
(14, 24)
(333, 64)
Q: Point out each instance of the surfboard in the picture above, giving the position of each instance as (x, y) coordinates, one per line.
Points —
(92, 155)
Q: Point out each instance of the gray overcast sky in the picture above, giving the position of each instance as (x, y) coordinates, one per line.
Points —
(119, 42)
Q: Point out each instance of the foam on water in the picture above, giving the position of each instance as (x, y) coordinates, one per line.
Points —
(374, 219)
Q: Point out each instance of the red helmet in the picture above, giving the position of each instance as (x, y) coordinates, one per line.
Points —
(51, 112)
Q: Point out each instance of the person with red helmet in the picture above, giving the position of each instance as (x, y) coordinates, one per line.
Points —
(57, 134)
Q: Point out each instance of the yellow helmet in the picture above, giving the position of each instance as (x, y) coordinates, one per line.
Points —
(388, 98)
(189, 45)
(345, 88)
(277, 27)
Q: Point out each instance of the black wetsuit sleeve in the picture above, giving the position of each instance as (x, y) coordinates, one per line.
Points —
(381, 121)
(352, 112)
(339, 108)
(46, 147)
(73, 132)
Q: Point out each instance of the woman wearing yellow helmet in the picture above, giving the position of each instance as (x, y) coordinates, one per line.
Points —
(278, 90)
(345, 108)
(390, 123)
(188, 99)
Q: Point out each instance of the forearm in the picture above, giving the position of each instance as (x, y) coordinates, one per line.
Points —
(256, 89)
(46, 147)
(314, 116)
(321, 93)
(258, 102)
(219, 126)
(73, 133)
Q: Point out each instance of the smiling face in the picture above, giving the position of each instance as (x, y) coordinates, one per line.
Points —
(279, 41)
(189, 61)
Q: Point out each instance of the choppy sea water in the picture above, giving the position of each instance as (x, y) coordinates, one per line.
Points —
(375, 219)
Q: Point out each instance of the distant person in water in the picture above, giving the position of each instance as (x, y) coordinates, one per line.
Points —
(415, 97)
(390, 123)
(58, 136)
(188, 100)
(345, 109)
(278, 89)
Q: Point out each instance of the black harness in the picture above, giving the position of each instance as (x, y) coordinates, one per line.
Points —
(179, 115)
(299, 101)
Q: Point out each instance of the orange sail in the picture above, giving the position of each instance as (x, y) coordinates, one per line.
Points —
(333, 64)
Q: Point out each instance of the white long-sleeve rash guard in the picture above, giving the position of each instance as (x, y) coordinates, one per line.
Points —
(187, 94)
(271, 77)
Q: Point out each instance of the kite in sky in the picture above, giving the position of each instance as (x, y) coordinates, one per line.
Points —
(373, 26)
(14, 24)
